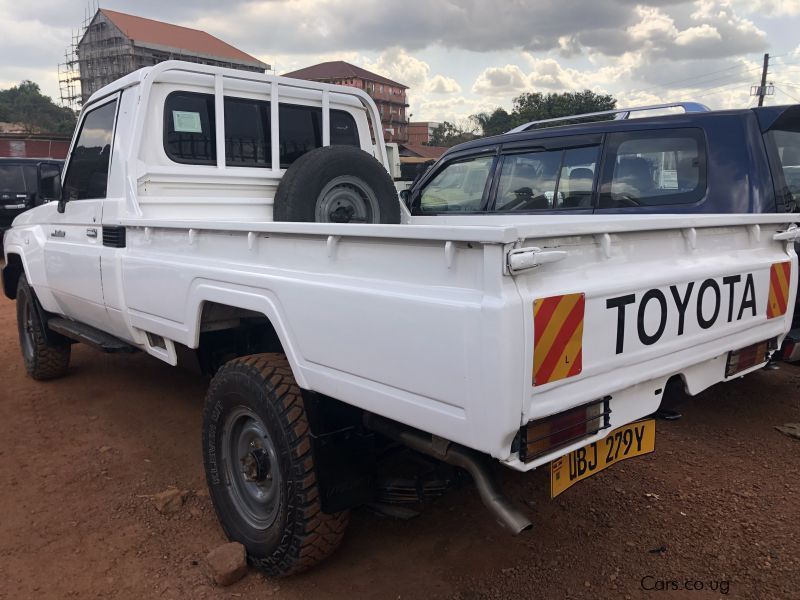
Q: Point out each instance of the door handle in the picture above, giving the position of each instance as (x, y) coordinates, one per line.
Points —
(91, 232)
(522, 259)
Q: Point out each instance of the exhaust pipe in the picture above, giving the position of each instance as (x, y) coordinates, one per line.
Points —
(506, 514)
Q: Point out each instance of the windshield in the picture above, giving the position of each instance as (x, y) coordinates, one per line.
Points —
(12, 179)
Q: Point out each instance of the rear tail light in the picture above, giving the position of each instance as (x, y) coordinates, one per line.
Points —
(744, 358)
(556, 431)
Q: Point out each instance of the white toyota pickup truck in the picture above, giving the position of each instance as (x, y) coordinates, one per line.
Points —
(248, 220)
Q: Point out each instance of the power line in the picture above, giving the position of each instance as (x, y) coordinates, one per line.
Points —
(786, 93)
(701, 76)
(710, 91)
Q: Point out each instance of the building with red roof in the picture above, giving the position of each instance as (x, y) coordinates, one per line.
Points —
(115, 44)
(389, 96)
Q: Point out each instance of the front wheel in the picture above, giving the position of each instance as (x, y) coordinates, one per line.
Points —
(260, 466)
(43, 360)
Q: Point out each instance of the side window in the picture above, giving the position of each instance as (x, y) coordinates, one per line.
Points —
(528, 181)
(576, 180)
(459, 187)
(189, 128)
(547, 180)
(301, 130)
(190, 136)
(654, 168)
(344, 131)
(87, 173)
(247, 133)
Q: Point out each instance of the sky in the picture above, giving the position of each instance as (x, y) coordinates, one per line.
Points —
(468, 56)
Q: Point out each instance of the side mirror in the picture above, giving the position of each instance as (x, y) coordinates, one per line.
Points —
(405, 196)
(49, 183)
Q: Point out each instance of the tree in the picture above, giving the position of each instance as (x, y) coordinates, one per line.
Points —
(25, 104)
(494, 123)
(449, 134)
(534, 106)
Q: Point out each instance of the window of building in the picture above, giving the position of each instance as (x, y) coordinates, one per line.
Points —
(654, 168)
(459, 187)
(87, 173)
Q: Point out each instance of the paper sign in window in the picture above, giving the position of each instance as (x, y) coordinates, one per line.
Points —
(186, 121)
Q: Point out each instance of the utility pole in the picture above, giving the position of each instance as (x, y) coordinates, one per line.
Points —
(762, 91)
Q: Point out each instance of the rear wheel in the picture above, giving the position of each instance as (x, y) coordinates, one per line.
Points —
(43, 360)
(260, 466)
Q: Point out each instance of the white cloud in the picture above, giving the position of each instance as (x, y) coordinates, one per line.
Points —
(439, 84)
(695, 35)
(770, 8)
(500, 81)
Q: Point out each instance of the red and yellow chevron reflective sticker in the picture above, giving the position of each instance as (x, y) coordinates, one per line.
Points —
(779, 277)
(557, 337)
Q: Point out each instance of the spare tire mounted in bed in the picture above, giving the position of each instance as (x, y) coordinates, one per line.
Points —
(337, 184)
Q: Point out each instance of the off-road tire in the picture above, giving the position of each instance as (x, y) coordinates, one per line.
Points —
(299, 191)
(43, 360)
(301, 535)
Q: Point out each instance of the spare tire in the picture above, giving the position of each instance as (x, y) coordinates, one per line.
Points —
(337, 184)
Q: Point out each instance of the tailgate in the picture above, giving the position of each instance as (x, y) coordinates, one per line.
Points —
(616, 313)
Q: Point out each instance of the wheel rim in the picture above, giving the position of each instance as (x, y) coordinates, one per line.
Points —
(346, 199)
(26, 331)
(251, 464)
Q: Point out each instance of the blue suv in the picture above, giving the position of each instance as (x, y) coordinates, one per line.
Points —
(695, 161)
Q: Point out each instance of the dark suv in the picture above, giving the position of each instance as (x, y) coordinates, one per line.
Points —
(697, 161)
(25, 183)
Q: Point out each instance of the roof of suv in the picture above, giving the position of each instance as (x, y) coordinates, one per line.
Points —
(767, 115)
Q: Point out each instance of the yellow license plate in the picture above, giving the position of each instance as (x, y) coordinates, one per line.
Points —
(626, 442)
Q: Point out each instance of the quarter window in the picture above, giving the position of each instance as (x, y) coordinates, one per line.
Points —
(87, 173)
(459, 187)
(783, 143)
(189, 128)
(654, 168)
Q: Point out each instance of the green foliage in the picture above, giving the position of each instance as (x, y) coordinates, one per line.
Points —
(494, 123)
(534, 106)
(449, 134)
(25, 104)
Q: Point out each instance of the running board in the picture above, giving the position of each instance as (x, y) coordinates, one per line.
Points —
(87, 334)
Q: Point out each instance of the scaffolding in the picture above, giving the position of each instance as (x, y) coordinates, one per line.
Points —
(99, 54)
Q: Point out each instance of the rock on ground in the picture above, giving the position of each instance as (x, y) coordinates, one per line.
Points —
(227, 564)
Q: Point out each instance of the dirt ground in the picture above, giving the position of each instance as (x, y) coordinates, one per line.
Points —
(715, 507)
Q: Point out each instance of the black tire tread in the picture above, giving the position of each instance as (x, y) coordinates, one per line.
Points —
(312, 534)
(50, 361)
(293, 201)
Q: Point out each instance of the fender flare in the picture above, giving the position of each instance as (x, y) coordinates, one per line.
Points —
(262, 301)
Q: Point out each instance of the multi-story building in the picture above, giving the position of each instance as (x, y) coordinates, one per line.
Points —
(115, 44)
(420, 132)
(390, 97)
